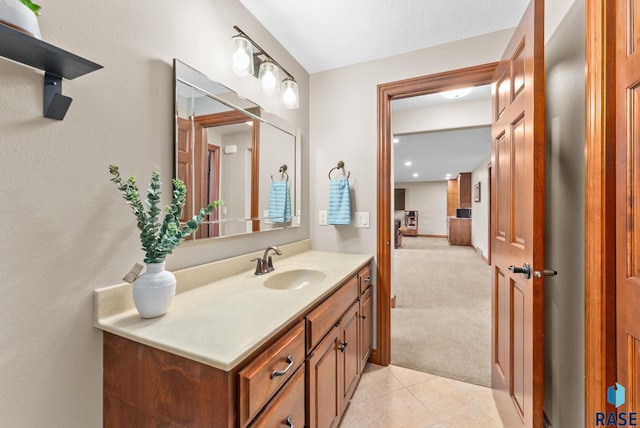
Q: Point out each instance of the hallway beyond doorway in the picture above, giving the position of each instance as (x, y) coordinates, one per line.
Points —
(442, 321)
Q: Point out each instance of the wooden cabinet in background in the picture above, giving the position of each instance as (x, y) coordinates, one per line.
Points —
(458, 193)
(459, 231)
(464, 190)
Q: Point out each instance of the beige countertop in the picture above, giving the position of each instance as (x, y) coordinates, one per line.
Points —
(221, 322)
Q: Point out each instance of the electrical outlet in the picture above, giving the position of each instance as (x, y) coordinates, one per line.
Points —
(322, 218)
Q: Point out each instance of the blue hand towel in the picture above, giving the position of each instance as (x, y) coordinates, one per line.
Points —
(279, 202)
(339, 211)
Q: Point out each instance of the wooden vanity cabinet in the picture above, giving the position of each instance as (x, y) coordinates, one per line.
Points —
(303, 376)
(335, 365)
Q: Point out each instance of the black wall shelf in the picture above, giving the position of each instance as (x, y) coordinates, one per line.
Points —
(56, 63)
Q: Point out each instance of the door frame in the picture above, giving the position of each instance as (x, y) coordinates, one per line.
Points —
(600, 212)
(599, 258)
(423, 85)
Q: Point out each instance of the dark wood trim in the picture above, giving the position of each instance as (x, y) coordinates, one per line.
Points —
(599, 262)
(471, 76)
(255, 175)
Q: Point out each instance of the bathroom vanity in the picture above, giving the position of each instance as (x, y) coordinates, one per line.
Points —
(236, 349)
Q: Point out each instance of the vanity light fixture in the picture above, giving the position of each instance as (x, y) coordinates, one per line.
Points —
(456, 93)
(245, 52)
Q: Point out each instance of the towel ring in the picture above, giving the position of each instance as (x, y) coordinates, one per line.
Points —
(283, 171)
(340, 166)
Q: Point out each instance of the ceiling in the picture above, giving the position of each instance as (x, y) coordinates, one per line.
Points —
(337, 33)
(328, 34)
(435, 154)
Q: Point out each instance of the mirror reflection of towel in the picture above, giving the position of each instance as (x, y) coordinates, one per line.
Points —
(279, 202)
(339, 211)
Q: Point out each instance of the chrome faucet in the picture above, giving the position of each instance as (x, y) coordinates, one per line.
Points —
(265, 264)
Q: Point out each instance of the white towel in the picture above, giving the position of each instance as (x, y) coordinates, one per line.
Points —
(339, 211)
(279, 202)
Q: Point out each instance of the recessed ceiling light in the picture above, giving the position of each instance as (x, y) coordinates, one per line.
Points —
(456, 93)
(249, 122)
(396, 140)
(408, 163)
(448, 175)
(415, 174)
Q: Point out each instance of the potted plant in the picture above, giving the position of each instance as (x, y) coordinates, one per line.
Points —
(154, 290)
(21, 15)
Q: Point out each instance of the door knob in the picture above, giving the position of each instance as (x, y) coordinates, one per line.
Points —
(525, 270)
(546, 272)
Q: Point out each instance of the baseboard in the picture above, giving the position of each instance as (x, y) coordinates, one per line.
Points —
(547, 423)
(393, 301)
(434, 236)
(480, 254)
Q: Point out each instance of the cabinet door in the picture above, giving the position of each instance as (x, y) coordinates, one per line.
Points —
(324, 371)
(366, 328)
(350, 355)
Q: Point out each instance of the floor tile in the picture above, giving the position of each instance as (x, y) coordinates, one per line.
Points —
(397, 397)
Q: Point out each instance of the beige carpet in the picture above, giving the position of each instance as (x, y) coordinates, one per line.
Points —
(442, 320)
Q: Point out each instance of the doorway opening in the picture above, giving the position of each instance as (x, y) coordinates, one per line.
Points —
(472, 76)
(441, 281)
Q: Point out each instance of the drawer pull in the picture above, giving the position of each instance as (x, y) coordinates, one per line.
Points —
(343, 346)
(283, 372)
(289, 422)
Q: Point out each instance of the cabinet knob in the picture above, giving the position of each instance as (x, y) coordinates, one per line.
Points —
(363, 316)
(368, 280)
(289, 422)
(343, 346)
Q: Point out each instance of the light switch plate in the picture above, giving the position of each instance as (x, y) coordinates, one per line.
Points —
(322, 218)
(362, 219)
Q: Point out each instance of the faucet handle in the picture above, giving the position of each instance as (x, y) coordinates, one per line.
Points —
(259, 266)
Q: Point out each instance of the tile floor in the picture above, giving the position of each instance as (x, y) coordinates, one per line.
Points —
(396, 397)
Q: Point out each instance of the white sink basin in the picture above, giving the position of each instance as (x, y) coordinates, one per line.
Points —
(294, 279)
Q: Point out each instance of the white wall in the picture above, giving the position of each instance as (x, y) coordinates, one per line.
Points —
(429, 198)
(480, 210)
(445, 116)
(66, 229)
(344, 127)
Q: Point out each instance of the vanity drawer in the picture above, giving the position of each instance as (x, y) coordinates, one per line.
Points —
(321, 319)
(287, 408)
(260, 380)
(364, 279)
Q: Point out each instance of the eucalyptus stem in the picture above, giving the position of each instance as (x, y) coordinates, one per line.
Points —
(159, 240)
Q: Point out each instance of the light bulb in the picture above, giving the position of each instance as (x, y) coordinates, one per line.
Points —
(241, 53)
(241, 60)
(269, 82)
(290, 93)
(289, 97)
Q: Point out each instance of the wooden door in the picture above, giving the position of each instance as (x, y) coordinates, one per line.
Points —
(627, 200)
(517, 215)
(184, 162)
(324, 371)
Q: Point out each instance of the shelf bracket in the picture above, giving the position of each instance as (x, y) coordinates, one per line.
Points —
(55, 104)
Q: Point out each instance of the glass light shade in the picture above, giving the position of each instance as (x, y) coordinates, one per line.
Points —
(290, 97)
(241, 56)
(269, 76)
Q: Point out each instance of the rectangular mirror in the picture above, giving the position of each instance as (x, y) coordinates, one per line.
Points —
(228, 148)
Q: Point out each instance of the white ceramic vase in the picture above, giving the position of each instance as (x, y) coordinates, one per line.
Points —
(154, 290)
(15, 14)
